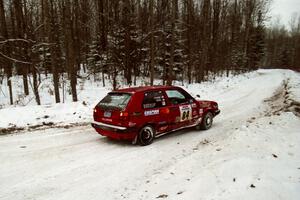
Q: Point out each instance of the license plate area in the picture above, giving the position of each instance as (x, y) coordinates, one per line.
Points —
(107, 114)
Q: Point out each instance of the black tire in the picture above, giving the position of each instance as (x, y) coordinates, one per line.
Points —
(146, 135)
(207, 121)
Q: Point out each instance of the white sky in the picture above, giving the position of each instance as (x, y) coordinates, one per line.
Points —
(284, 9)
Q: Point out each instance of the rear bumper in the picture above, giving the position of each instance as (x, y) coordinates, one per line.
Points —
(122, 128)
(115, 132)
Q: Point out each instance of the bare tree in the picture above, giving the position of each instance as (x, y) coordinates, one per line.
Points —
(4, 36)
(164, 39)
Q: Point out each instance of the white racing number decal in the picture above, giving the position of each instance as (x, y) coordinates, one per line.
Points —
(185, 112)
(151, 112)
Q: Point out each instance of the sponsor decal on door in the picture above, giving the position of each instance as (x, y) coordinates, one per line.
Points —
(151, 112)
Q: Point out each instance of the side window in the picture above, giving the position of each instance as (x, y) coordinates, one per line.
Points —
(154, 99)
(176, 97)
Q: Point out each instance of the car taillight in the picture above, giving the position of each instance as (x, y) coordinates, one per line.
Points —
(124, 115)
(96, 114)
(165, 110)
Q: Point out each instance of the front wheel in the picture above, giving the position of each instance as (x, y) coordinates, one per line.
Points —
(207, 121)
(146, 135)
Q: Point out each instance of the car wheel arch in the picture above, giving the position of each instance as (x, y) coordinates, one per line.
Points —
(212, 111)
(152, 124)
(140, 136)
(202, 124)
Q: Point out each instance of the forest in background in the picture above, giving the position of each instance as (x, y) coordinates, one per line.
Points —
(164, 39)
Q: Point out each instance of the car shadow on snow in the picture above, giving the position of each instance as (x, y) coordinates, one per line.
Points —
(171, 135)
(186, 132)
(109, 141)
(178, 134)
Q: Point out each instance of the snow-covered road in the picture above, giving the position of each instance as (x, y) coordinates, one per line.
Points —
(245, 155)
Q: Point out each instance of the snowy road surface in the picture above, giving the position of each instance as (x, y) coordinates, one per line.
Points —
(250, 152)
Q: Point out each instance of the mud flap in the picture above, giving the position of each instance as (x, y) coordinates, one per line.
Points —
(135, 140)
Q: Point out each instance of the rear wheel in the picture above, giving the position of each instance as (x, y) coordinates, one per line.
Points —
(146, 135)
(207, 121)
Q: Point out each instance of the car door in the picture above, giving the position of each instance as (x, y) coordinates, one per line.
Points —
(181, 109)
(154, 110)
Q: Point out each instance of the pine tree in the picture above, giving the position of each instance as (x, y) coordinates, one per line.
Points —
(257, 44)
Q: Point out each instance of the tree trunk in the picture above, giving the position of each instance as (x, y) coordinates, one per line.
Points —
(102, 24)
(215, 35)
(20, 34)
(50, 29)
(127, 41)
(171, 65)
(189, 36)
(151, 44)
(35, 86)
(103, 78)
(70, 48)
(8, 67)
(102, 28)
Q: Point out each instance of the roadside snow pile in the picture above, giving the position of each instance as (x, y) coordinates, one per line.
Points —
(223, 90)
(58, 115)
(37, 116)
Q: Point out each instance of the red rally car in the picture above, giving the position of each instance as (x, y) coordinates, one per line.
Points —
(140, 114)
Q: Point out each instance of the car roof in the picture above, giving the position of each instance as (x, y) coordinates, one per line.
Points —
(145, 88)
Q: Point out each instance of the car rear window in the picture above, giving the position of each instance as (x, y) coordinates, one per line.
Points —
(115, 100)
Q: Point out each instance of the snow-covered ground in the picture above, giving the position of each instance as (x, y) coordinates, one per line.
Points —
(251, 152)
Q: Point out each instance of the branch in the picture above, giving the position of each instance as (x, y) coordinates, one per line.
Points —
(44, 44)
(15, 60)
(37, 28)
(15, 40)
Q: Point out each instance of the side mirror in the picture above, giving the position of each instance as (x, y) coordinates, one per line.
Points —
(198, 96)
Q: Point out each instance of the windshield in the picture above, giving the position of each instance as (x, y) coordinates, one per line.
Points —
(115, 100)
